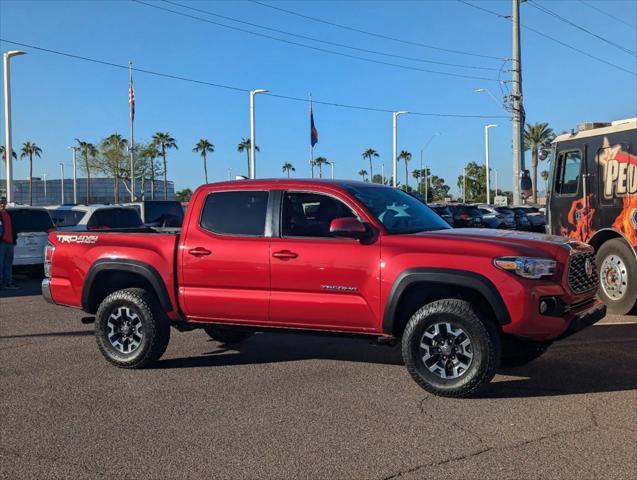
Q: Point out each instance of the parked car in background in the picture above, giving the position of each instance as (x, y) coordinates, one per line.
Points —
(159, 213)
(522, 221)
(503, 219)
(444, 211)
(94, 217)
(466, 216)
(32, 226)
(537, 219)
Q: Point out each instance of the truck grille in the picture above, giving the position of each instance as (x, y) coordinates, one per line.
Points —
(582, 272)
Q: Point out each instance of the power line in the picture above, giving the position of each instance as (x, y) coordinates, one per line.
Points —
(375, 34)
(234, 88)
(342, 45)
(542, 34)
(543, 9)
(333, 52)
(603, 12)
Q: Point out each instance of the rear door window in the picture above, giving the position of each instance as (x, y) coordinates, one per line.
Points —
(115, 218)
(26, 220)
(236, 213)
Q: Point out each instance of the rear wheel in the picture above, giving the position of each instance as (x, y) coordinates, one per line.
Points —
(449, 350)
(131, 329)
(617, 276)
(227, 335)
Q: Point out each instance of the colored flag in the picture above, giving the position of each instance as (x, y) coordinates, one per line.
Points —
(131, 99)
(314, 137)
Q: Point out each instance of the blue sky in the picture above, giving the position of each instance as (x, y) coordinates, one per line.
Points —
(56, 99)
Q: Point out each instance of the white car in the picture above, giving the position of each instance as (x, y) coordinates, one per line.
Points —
(32, 226)
(94, 217)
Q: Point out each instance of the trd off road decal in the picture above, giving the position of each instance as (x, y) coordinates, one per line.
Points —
(620, 170)
(89, 239)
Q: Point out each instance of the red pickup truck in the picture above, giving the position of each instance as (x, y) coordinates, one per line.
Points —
(329, 256)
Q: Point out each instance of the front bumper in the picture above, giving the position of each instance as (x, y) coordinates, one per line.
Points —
(584, 319)
(46, 290)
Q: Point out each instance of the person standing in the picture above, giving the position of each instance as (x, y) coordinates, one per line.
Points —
(7, 242)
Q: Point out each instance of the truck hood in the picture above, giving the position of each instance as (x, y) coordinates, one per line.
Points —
(504, 241)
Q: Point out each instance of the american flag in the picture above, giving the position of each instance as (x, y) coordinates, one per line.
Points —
(314, 137)
(131, 99)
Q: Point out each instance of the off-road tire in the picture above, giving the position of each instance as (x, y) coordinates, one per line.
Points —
(155, 325)
(619, 248)
(517, 352)
(227, 335)
(485, 342)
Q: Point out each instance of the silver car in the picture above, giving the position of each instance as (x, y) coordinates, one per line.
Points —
(32, 226)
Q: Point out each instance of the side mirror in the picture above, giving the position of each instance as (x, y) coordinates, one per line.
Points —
(348, 227)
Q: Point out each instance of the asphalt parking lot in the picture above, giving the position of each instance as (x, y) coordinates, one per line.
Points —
(297, 406)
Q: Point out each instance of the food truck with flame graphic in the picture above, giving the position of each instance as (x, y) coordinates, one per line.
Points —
(593, 198)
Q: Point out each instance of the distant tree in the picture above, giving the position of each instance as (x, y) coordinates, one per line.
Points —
(88, 154)
(29, 149)
(112, 160)
(183, 195)
(3, 151)
(287, 168)
(369, 154)
(537, 136)
(405, 156)
(378, 178)
(545, 176)
(165, 141)
(363, 174)
(438, 190)
(319, 162)
(476, 182)
(205, 147)
(148, 154)
(244, 146)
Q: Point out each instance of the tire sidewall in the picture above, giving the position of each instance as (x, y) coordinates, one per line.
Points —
(484, 343)
(619, 248)
(143, 311)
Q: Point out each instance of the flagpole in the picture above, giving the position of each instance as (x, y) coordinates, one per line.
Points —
(311, 146)
(131, 99)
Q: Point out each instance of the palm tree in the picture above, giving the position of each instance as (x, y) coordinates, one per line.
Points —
(28, 150)
(88, 152)
(164, 141)
(369, 154)
(205, 147)
(319, 162)
(151, 152)
(545, 176)
(363, 173)
(406, 157)
(287, 168)
(2, 153)
(536, 136)
(244, 146)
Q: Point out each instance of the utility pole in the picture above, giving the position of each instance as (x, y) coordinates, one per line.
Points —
(395, 147)
(7, 120)
(253, 163)
(62, 182)
(518, 108)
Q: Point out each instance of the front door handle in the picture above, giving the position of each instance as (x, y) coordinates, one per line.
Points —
(285, 255)
(199, 252)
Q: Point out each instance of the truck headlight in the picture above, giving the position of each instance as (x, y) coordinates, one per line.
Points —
(527, 267)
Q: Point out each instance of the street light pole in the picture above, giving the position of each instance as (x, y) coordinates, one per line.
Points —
(7, 120)
(332, 162)
(382, 172)
(486, 158)
(496, 181)
(253, 172)
(62, 182)
(487, 91)
(395, 147)
(74, 175)
(45, 195)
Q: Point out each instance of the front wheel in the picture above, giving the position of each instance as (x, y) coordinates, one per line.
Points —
(449, 350)
(617, 269)
(130, 328)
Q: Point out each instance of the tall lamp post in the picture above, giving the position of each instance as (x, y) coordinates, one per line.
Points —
(62, 181)
(74, 175)
(332, 162)
(486, 158)
(7, 119)
(45, 195)
(253, 171)
(424, 172)
(394, 160)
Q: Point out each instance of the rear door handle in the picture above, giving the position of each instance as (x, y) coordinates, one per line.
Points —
(199, 252)
(285, 255)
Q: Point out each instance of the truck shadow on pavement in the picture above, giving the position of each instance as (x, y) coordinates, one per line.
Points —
(600, 359)
(78, 333)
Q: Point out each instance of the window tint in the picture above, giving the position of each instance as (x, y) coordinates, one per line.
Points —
(115, 218)
(25, 220)
(235, 213)
(310, 214)
(568, 173)
(66, 218)
(163, 214)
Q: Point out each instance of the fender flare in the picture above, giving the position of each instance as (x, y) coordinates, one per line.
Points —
(450, 277)
(148, 272)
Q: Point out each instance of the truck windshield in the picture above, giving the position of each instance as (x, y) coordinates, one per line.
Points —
(398, 211)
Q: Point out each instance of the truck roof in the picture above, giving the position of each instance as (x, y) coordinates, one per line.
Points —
(614, 127)
(297, 183)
